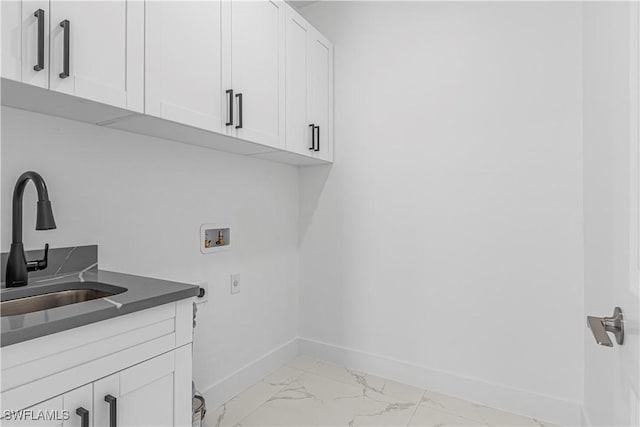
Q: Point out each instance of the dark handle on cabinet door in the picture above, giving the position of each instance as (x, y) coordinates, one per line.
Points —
(39, 14)
(65, 61)
(230, 93)
(317, 139)
(239, 96)
(113, 411)
(84, 416)
(313, 137)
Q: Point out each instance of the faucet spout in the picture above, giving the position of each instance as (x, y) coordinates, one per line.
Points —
(17, 265)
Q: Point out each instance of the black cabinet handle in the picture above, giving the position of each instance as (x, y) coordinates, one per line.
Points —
(313, 137)
(39, 14)
(239, 96)
(84, 416)
(317, 128)
(113, 412)
(230, 93)
(65, 61)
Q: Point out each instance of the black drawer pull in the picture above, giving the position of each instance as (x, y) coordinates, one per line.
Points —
(113, 411)
(65, 60)
(84, 416)
(230, 93)
(239, 96)
(39, 14)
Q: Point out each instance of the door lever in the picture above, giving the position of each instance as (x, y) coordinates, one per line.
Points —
(601, 325)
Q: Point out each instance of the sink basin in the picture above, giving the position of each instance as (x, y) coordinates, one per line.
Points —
(25, 300)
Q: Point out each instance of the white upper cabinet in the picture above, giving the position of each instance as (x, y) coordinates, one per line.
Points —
(25, 41)
(183, 62)
(53, 405)
(320, 99)
(245, 76)
(299, 131)
(11, 14)
(97, 51)
(254, 42)
(309, 89)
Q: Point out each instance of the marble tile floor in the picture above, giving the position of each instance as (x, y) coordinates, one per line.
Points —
(308, 392)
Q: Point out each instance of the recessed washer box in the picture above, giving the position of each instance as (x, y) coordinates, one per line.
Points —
(214, 238)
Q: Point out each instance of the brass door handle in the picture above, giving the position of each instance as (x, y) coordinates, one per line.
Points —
(601, 325)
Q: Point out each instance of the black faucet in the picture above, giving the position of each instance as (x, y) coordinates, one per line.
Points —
(17, 265)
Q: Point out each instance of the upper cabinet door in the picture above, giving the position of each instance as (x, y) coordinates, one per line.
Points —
(183, 62)
(256, 70)
(320, 98)
(309, 94)
(299, 129)
(25, 41)
(35, 42)
(97, 51)
(11, 14)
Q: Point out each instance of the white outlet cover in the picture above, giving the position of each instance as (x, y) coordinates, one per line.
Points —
(235, 283)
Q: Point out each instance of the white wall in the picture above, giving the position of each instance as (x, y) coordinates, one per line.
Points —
(447, 236)
(606, 185)
(143, 199)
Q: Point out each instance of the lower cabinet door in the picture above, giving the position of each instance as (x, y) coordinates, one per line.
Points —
(143, 395)
(78, 404)
(45, 414)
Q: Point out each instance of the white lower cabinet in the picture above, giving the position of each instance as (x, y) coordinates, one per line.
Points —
(134, 370)
(139, 396)
(78, 404)
(25, 418)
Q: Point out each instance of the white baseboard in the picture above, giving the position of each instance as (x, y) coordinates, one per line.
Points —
(220, 392)
(542, 407)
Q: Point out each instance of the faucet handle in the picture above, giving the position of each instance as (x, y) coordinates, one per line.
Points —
(39, 264)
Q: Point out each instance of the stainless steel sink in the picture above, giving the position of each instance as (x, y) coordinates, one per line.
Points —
(25, 300)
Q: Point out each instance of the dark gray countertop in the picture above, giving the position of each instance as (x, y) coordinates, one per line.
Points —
(142, 293)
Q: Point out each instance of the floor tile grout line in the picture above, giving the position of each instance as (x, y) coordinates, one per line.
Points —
(416, 408)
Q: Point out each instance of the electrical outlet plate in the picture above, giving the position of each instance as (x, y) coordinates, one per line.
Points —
(205, 298)
(235, 283)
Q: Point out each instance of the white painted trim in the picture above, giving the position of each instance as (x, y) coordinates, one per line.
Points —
(543, 407)
(233, 384)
